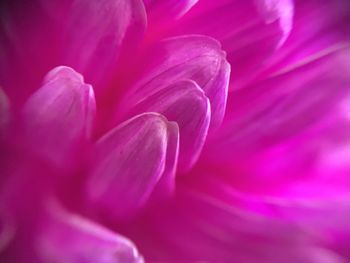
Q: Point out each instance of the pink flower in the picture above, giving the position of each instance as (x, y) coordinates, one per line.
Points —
(174, 131)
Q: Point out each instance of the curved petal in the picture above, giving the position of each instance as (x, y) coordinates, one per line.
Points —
(129, 162)
(201, 227)
(59, 116)
(184, 103)
(65, 237)
(318, 28)
(166, 184)
(295, 133)
(4, 113)
(249, 31)
(88, 36)
(160, 12)
(197, 58)
(307, 212)
(96, 32)
(7, 230)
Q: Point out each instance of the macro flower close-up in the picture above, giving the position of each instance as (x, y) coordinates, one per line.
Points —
(175, 131)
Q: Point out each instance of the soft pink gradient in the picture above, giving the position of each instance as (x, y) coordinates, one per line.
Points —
(174, 131)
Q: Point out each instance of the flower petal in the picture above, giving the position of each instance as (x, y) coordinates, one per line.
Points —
(293, 133)
(97, 31)
(200, 227)
(318, 29)
(59, 116)
(250, 31)
(186, 104)
(65, 237)
(159, 12)
(129, 162)
(196, 58)
(7, 230)
(4, 113)
(88, 36)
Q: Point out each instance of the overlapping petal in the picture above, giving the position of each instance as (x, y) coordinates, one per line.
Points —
(93, 35)
(289, 156)
(96, 32)
(268, 180)
(58, 118)
(7, 230)
(201, 227)
(130, 160)
(319, 28)
(184, 103)
(197, 58)
(297, 129)
(250, 31)
(4, 113)
(160, 12)
(66, 237)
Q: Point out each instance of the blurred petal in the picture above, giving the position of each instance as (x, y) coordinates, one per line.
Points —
(130, 160)
(186, 104)
(293, 133)
(250, 31)
(7, 230)
(196, 58)
(307, 212)
(65, 237)
(197, 227)
(4, 113)
(160, 12)
(318, 28)
(96, 32)
(59, 116)
(88, 36)
(29, 45)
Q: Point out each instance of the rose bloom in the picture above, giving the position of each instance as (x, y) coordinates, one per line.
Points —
(174, 131)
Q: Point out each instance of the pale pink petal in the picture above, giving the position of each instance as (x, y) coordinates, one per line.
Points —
(129, 162)
(197, 58)
(184, 103)
(250, 31)
(66, 237)
(59, 116)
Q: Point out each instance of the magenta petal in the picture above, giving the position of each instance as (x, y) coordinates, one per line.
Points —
(199, 227)
(186, 104)
(7, 230)
(250, 31)
(166, 184)
(65, 237)
(129, 162)
(292, 137)
(96, 32)
(318, 28)
(175, 8)
(59, 116)
(88, 36)
(160, 12)
(197, 58)
(4, 113)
